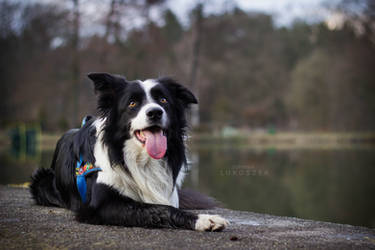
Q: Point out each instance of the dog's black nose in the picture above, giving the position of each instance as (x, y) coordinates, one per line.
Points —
(154, 114)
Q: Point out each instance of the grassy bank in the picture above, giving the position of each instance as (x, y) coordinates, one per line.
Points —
(257, 140)
(290, 140)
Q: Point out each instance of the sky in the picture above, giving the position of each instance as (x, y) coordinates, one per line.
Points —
(284, 11)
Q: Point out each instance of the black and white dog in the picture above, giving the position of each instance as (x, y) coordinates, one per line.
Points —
(136, 149)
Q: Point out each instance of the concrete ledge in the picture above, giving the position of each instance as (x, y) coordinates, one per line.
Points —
(25, 225)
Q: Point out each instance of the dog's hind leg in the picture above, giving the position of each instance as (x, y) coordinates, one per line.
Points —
(43, 189)
(190, 199)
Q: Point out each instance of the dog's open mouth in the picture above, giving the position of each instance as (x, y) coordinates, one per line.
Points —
(154, 139)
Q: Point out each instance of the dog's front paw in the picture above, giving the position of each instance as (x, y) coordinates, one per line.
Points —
(208, 222)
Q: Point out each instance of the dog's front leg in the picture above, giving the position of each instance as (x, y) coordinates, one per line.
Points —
(109, 207)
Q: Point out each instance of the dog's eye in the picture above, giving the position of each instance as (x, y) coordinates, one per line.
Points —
(132, 104)
(163, 100)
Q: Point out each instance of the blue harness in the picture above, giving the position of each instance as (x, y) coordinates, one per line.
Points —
(83, 169)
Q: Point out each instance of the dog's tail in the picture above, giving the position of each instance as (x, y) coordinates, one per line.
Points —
(190, 199)
(43, 188)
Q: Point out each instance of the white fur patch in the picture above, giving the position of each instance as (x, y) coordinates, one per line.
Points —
(150, 181)
(181, 176)
(174, 199)
(208, 222)
(147, 86)
(141, 120)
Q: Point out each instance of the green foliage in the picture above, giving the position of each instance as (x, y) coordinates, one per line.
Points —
(309, 91)
(172, 28)
(328, 87)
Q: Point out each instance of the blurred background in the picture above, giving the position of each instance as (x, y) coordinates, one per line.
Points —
(286, 121)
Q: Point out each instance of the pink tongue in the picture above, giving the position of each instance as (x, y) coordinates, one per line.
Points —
(156, 144)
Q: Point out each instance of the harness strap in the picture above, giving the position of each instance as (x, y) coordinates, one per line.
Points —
(83, 169)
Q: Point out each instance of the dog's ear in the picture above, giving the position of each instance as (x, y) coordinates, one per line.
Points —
(106, 87)
(104, 82)
(183, 94)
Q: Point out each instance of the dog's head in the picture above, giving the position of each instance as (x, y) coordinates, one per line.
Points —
(151, 112)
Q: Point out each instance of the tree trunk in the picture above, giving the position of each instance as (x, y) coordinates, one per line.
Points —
(195, 119)
(76, 62)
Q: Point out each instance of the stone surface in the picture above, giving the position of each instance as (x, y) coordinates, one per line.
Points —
(25, 225)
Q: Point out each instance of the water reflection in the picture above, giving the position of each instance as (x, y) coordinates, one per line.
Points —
(326, 185)
(334, 186)
(25, 142)
(15, 170)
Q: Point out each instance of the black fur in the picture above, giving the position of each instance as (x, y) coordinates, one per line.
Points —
(110, 207)
(190, 199)
(104, 205)
(43, 188)
(183, 97)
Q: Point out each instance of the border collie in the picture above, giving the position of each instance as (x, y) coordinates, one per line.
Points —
(135, 156)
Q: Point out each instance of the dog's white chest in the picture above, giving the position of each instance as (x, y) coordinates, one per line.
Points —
(148, 180)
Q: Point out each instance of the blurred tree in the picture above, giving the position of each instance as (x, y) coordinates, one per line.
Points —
(309, 93)
(298, 42)
(249, 72)
(172, 28)
(242, 58)
(76, 70)
(333, 88)
(8, 48)
(197, 28)
(27, 50)
(361, 15)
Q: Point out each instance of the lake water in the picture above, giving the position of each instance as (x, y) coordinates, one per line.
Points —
(328, 185)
